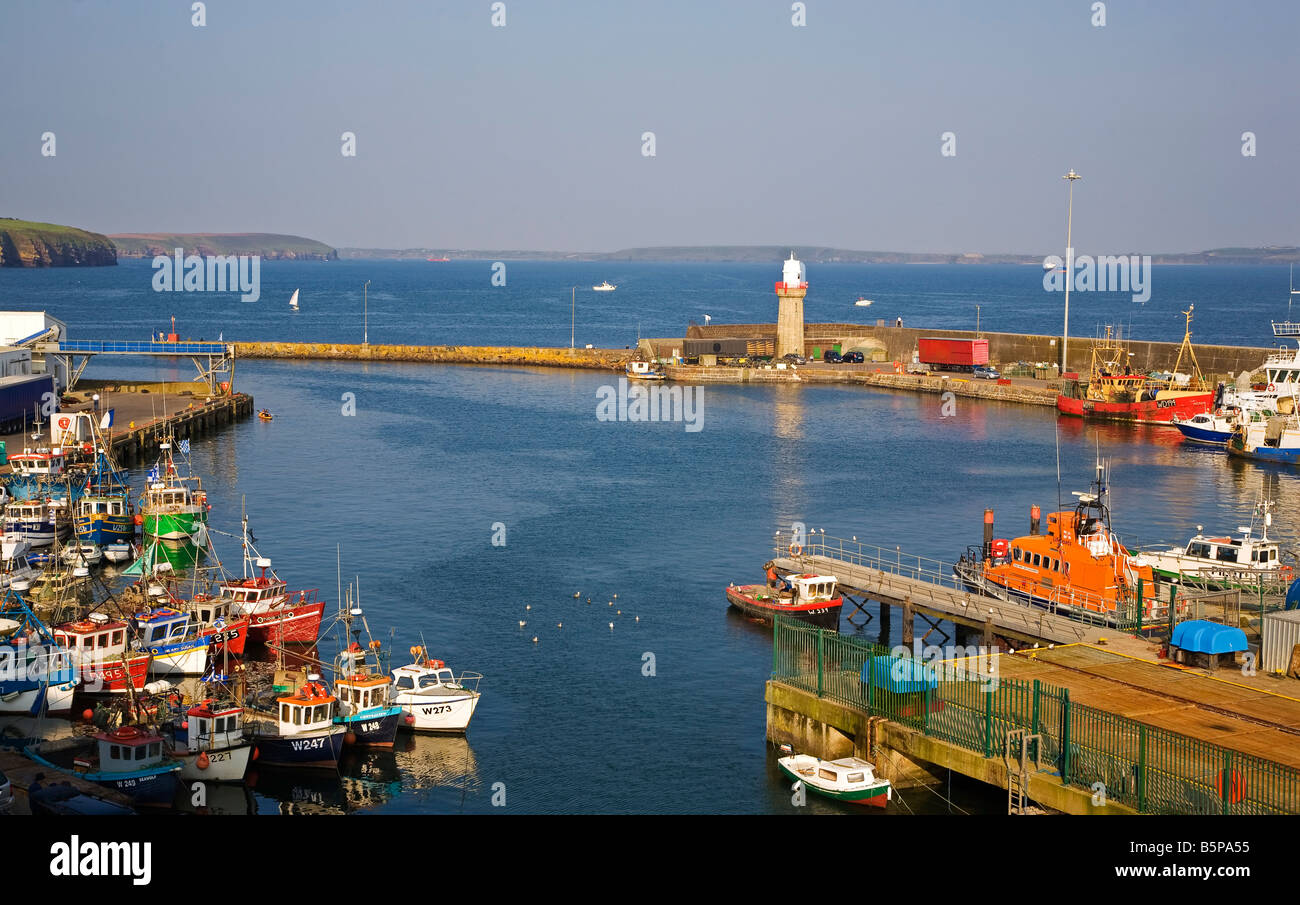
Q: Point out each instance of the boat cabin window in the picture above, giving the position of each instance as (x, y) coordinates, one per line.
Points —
(1015, 553)
(284, 713)
(857, 777)
(428, 681)
(1198, 549)
(322, 713)
(828, 774)
(1265, 555)
(404, 682)
(1036, 562)
(117, 637)
(1227, 554)
(114, 752)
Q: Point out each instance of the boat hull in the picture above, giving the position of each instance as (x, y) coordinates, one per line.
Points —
(187, 659)
(1275, 455)
(1151, 411)
(112, 677)
(875, 795)
(373, 730)
(224, 765)
(174, 525)
(1203, 434)
(320, 751)
(448, 713)
(38, 700)
(287, 624)
(823, 614)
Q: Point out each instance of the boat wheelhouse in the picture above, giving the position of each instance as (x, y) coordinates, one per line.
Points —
(436, 699)
(365, 709)
(103, 519)
(644, 370)
(35, 521)
(228, 632)
(809, 598)
(210, 742)
(41, 463)
(302, 732)
(174, 645)
(275, 615)
(98, 646)
(128, 759)
(173, 512)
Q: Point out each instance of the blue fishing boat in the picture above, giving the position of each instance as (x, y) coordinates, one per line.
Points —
(128, 759)
(361, 685)
(1267, 439)
(177, 646)
(37, 674)
(1208, 428)
(301, 732)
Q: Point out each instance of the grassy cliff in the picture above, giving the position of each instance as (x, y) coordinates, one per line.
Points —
(24, 243)
(269, 246)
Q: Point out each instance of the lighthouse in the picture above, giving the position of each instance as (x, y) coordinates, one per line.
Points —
(789, 317)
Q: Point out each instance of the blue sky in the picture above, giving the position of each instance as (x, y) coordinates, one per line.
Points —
(529, 136)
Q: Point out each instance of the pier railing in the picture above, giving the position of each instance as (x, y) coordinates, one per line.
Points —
(1153, 770)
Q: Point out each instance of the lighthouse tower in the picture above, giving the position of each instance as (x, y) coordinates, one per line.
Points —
(789, 317)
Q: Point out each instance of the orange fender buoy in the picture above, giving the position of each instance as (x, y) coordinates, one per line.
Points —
(203, 760)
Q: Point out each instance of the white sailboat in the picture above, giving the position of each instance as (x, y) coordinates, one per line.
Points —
(293, 300)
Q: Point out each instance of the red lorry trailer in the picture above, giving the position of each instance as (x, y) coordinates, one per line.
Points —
(943, 352)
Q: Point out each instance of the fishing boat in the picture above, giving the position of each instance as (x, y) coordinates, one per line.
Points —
(37, 674)
(36, 522)
(99, 649)
(175, 507)
(1078, 567)
(121, 551)
(606, 286)
(436, 700)
(175, 646)
(361, 686)
(644, 370)
(18, 571)
(1223, 562)
(849, 779)
(863, 302)
(1213, 428)
(293, 300)
(128, 759)
(301, 733)
(808, 598)
(83, 554)
(1267, 438)
(1114, 392)
(210, 743)
(275, 615)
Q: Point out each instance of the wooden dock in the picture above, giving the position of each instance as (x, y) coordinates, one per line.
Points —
(21, 771)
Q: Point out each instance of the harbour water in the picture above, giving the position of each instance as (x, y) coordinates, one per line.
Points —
(412, 485)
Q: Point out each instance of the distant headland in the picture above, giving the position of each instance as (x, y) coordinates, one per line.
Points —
(813, 254)
(25, 243)
(268, 246)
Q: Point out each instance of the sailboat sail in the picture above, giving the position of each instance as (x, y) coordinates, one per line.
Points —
(293, 300)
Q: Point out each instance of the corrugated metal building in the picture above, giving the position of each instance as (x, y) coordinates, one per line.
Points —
(1281, 635)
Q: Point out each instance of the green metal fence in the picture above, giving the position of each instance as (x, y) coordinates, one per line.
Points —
(1150, 769)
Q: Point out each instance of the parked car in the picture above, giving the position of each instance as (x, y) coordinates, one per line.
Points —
(983, 372)
(831, 356)
(852, 358)
(916, 367)
(794, 359)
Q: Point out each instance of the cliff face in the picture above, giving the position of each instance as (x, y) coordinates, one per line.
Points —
(27, 244)
(268, 246)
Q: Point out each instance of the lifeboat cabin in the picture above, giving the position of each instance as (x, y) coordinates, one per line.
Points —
(1077, 566)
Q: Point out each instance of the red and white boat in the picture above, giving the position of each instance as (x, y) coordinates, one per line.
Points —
(275, 615)
(98, 646)
(808, 598)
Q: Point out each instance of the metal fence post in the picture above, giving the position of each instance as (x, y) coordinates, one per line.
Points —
(1173, 600)
(819, 662)
(776, 622)
(1065, 736)
(871, 684)
(988, 724)
(925, 714)
(1142, 768)
(1033, 730)
(1225, 782)
(1140, 582)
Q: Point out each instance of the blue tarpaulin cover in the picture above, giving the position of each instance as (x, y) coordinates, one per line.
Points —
(898, 674)
(1208, 637)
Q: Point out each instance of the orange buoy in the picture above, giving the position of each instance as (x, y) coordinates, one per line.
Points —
(350, 738)
(88, 714)
(203, 760)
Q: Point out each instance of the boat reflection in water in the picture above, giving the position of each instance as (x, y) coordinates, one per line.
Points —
(221, 798)
(442, 762)
(366, 779)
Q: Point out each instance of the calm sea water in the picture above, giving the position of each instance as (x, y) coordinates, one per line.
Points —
(411, 486)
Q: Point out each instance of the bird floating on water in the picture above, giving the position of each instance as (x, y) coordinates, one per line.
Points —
(577, 595)
(534, 639)
(611, 626)
(522, 623)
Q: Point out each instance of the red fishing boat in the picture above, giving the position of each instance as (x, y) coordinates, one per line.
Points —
(1114, 392)
(807, 598)
(274, 614)
(99, 647)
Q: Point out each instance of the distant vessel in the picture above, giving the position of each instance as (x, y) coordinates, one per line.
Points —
(644, 370)
(437, 260)
(604, 287)
(863, 302)
(293, 300)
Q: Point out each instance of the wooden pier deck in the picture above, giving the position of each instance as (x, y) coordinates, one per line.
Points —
(22, 770)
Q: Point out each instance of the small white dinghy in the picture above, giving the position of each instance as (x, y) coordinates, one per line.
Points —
(119, 552)
(849, 779)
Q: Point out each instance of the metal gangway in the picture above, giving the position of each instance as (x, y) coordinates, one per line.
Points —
(212, 360)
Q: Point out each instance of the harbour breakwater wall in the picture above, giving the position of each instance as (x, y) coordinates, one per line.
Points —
(899, 343)
(588, 359)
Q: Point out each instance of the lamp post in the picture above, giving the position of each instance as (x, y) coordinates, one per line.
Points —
(573, 295)
(1070, 177)
(365, 309)
(977, 321)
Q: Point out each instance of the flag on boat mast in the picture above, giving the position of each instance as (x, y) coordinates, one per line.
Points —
(107, 421)
(185, 446)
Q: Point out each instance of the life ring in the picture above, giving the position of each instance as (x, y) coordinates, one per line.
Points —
(796, 549)
(123, 733)
(434, 664)
(1271, 388)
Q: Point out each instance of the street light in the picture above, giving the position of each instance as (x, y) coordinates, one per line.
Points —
(573, 295)
(977, 321)
(365, 303)
(1070, 177)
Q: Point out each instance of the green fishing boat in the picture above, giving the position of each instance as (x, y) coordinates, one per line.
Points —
(175, 508)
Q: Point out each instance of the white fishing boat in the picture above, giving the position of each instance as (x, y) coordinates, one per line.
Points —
(293, 300)
(604, 287)
(644, 370)
(849, 779)
(82, 554)
(433, 699)
(210, 742)
(863, 302)
(119, 552)
(18, 572)
(1223, 561)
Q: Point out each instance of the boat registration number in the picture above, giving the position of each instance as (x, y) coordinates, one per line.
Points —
(436, 709)
(307, 744)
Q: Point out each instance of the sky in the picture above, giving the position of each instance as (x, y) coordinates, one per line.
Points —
(529, 135)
